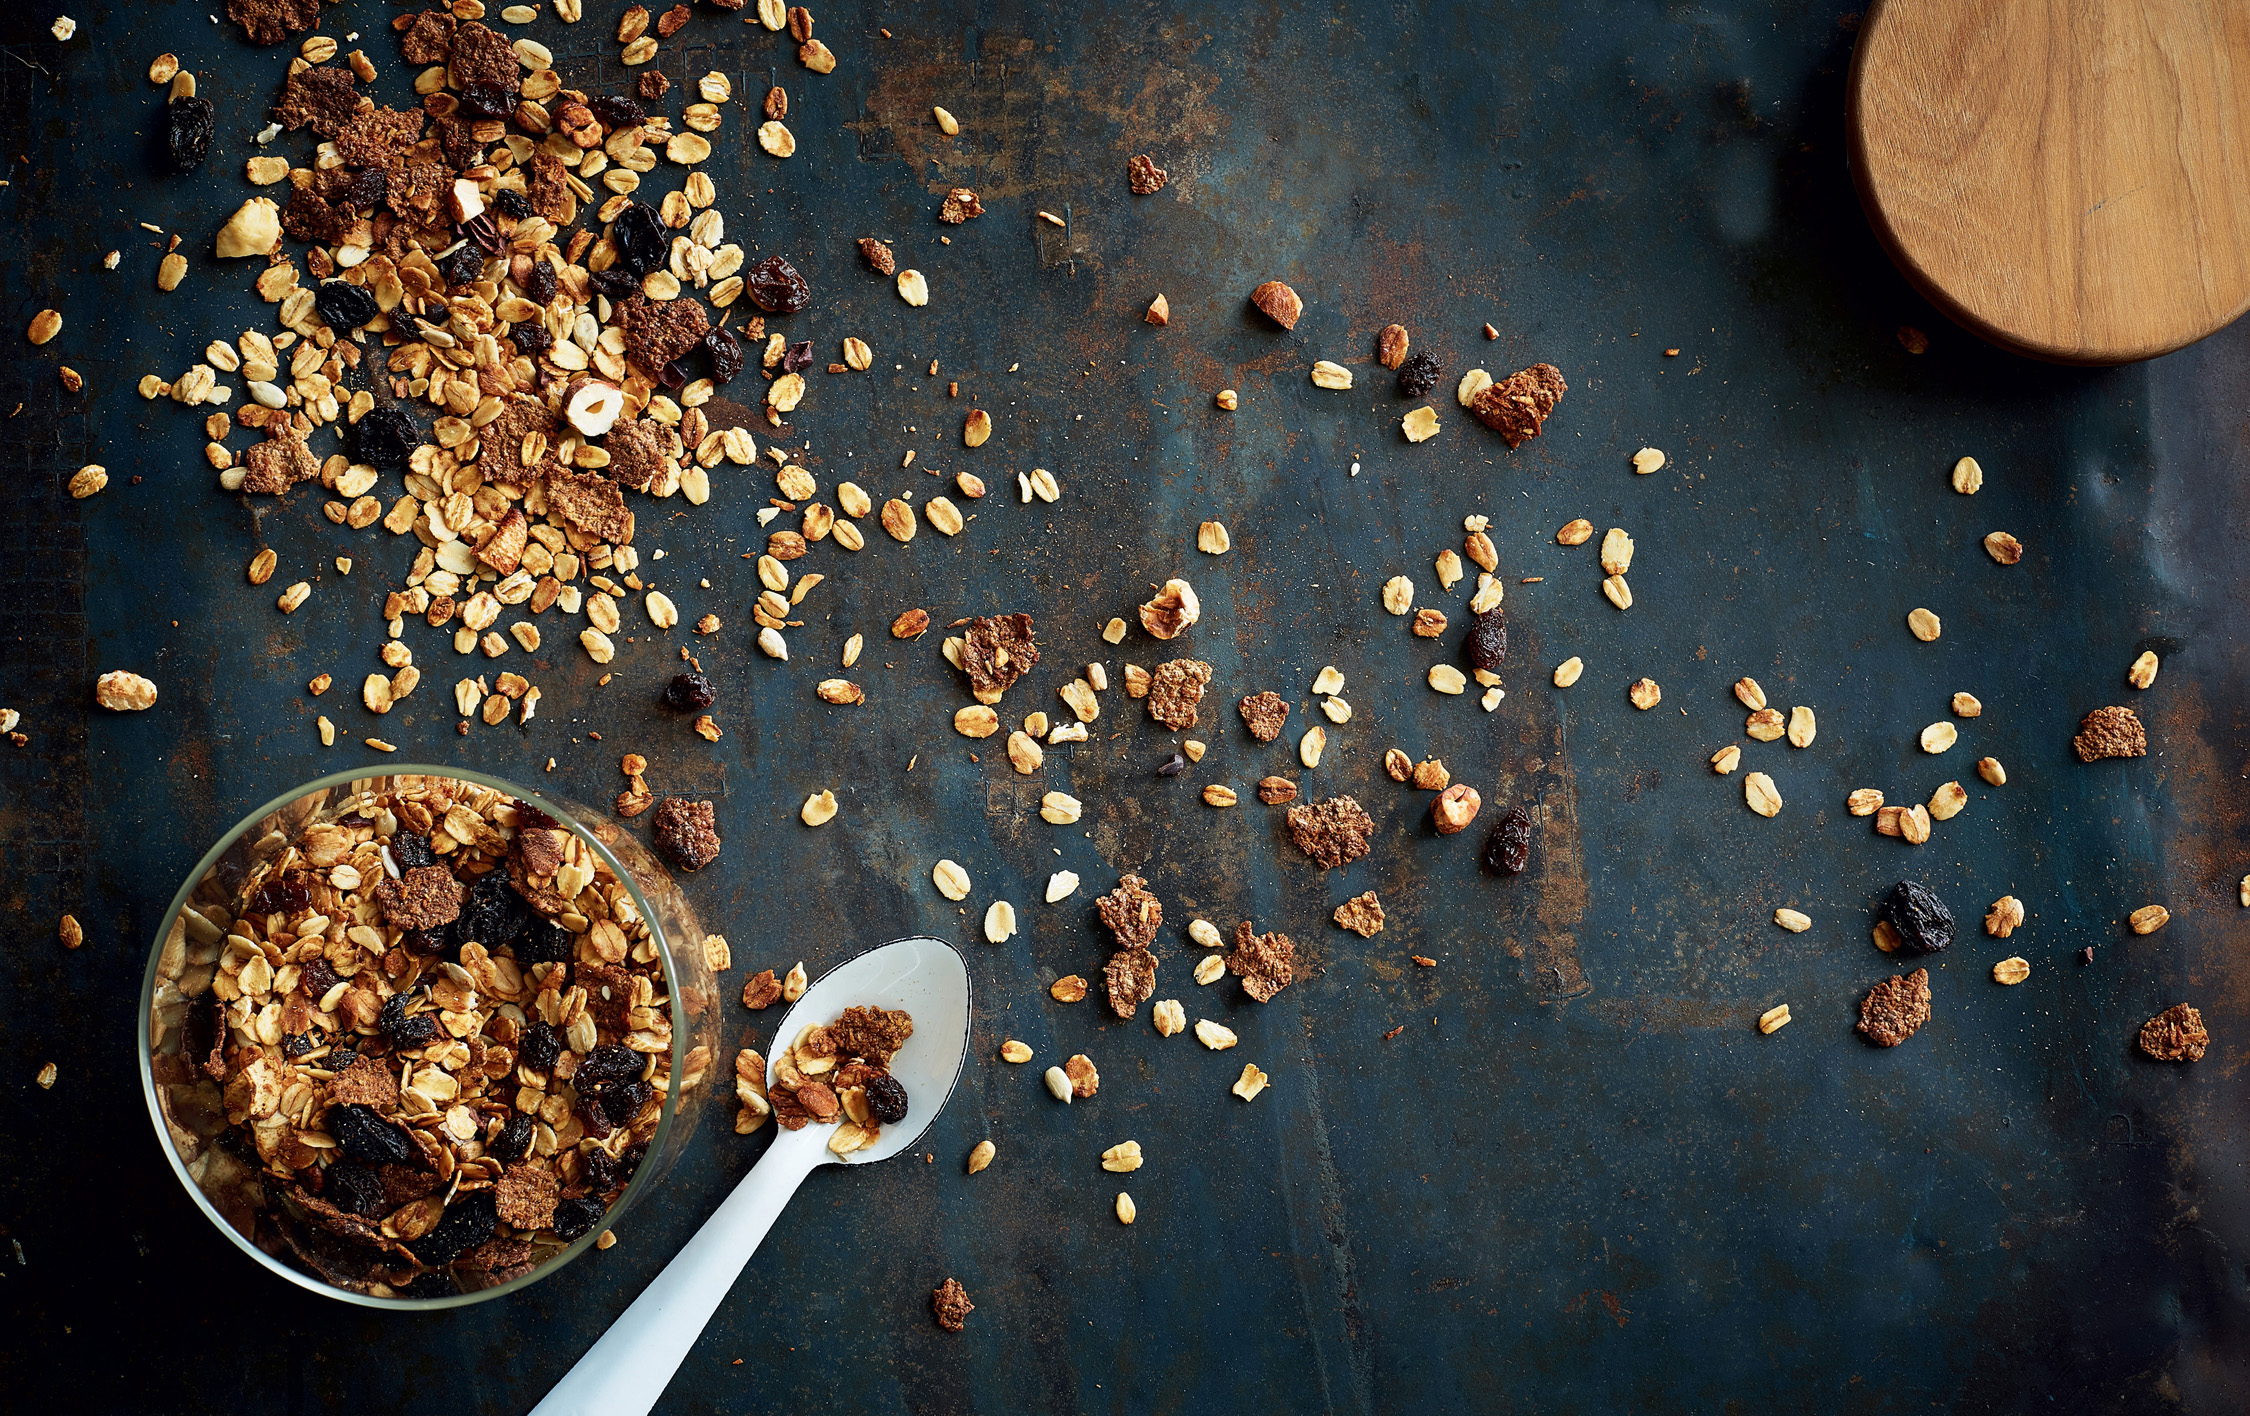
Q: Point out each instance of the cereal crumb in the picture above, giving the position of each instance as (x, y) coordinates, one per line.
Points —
(1362, 915)
(1264, 962)
(2175, 1035)
(2110, 732)
(1896, 1008)
(950, 1301)
(1334, 832)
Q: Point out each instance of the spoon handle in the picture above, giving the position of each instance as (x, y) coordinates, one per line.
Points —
(627, 1370)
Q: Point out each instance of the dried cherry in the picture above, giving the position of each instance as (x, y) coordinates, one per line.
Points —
(462, 265)
(513, 1142)
(1487, 644)
(1508, 849)
(343, 306)
(690, 692)
(386, 438)
(365, 187)
(423, 941)
(641, 239)
(531, 339)
(369, 1139)
(775, 286)
(493, 915)
(488, 100)
(623, 1101)
(542, 1046)
(615, 283)
(188, 122)
(282, 894)
(605, 1172)
(539, 282)
(296, 1045)
(615, 110)
(886, 1100)
(317, 977)
(340, 1056)
(1923, 922)
(726, 354)
(546, 942)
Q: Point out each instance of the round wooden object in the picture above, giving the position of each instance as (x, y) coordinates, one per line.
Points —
(2068, 180)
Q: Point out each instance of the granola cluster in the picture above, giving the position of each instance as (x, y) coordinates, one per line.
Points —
(439, 1031)
(834, 1074)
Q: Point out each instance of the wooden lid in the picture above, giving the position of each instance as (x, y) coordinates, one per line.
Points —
(2068, 180)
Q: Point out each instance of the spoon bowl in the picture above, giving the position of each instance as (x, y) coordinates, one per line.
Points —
(627, 1370)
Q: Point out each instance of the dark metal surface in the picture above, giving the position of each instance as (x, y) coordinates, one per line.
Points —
(1578, 1180)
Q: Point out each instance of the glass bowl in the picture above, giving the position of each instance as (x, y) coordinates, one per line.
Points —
(225, 1174)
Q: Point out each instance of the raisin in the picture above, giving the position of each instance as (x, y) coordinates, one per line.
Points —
(281, 895)
(352, 1188)
(1487, 644)
(591, 1118)
(616, 284)
(366, 1137)
(317, 977)
(531, 339)
(546, 942)
(608, 1062)
(411, 852)
(622, 1102)
(1508, 849)
(1171, 766)
(641, 239)
(542, 1045)
(468, 1221)
(1923, 922)
(886, 1100)
(689, 692)
(512, 204)
(188, 122)
(386, 438)
(726, 354)
(488, 100)
(423, 941)
(401, 1030)
(493, 915)
(531, 818)
(615, 110)
(797, 356)
(776, 288)
(575, 1219)
(513, 1142)
(365, 187)
(1418, 375)
(465, 264)
(605, 1172)
(539, 282)
(428, 1285)
(343, 306)
(296, 1045)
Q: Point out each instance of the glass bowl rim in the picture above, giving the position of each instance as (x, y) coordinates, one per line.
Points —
(634, 1189)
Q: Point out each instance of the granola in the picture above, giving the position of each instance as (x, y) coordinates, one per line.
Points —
(1362, 915)
(1517, 406)
(686, 832)
(1334, 832)
(1895, 1009)
(2175, 1035)
(1175, 689)
(950, 1302)
(997, 650)
(1264, 713)
(2110, 732)
(1266, 963)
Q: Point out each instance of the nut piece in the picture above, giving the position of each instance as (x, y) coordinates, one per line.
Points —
(946, 122)
(123, 692)
(1794, 921)
(819, 808)
(2003, 547)
(1925, 625)
(898, 519)
(1802, 728)
(2003, 918)
(1648, 460)
(1990, 769)
(2011, 970)
(1618, 592)
(1752, 696)
(981, 1156)
(1645, 694)
(1967, 705)
(1773, 1020)
(2148, 919)
(1211, 538)
(1058, 1085)
(1127, 1211)
(1726, 759)
(1172, 610)
(1761, 794)
(1575, 533)
(1391, 346)
(1278, 303)
(1159, 311)
(2143, 672)
(1211, 1035)
(1454, 808)
(1939, 736)
(1947, 801)
(1617, 551)
(1864, 802)
(1967, 476)
(47, 324)
(88, 480)
(1328, 374)
(976, 429)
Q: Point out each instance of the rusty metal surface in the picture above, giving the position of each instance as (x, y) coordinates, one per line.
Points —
(1578, 1180)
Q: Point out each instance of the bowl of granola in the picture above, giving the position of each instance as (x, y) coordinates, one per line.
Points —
(412, 1038)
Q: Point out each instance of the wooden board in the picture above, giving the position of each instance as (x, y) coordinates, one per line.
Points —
(2067, 180)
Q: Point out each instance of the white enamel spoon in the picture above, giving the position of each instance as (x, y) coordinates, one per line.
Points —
(627, 1370)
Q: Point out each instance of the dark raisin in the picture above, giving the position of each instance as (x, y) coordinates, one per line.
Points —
(1418, 375)
(343, 306)
(1923, 922)
(608, 1062)
(542, 1045)
(367, 1138)
(1508, 849)
(411, 852)
(574, 1219)
(591, 1118)
(617, 110)
(615, 283)
(726, 354)
(352, 1188)
(776, 288)
(690, 692)
(493, 915)
(531, 818)
(622, 1102)
(1487, 644)
(424, 941)
(188, 122)
(281, 895)
(1171, 766)
(886, 1100)
(296, 1045)
(531, 339)
(641, 238)
(317, 977)
(539, 282)
(488, 100)
(364, 188)
(513, 1142)
(404, 1031)
(340, 1057)
(797, 356)
(462, 265)
(546, 942)
(511, 204)
(428, 1285)
(468, 1221)
(386, 438)
(605, 1172)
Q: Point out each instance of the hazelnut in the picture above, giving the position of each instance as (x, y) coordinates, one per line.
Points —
(1455, 808)
(1279, 303)
(1172, 610)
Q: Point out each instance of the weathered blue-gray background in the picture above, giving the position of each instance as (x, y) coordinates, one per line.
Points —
(1579, 1180)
